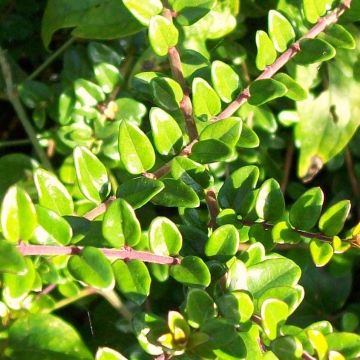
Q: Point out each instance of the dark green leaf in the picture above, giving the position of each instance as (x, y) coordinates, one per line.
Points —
(263, 91)
(132, 279)
(339, 37)
(295, 90)
(209, 151)
(92, 268)
(306, 210)
(192, 272)
(11, 261)
(34, 93)
(248, 138)
(91, 174)
(313, 51)
(120, 226)
(138, 191)
(287, 347)
(166, 92)
(37, 336)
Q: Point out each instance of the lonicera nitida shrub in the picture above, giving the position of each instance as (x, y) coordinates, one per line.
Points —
(193, 187)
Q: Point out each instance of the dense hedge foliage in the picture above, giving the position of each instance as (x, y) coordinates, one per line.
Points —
(188, 182)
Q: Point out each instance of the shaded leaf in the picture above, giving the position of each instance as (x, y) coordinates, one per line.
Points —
(263, 91)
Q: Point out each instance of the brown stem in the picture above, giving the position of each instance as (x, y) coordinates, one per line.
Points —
(213, 207)
(353, 179)
(287, 168)
(284, 58)
(94, 213)
(125, 253)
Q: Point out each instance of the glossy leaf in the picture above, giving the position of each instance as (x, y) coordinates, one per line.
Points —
(348, 344)
(52, 229)
(107, 76)
(263, 91)
(136, 151)
(225, 80)
(266, 53)
(332, 220)
(248, 138)
(18, 215)
(176, 194)
(164, 237)
(281, 31)
(314, 9)
(101, 53)
(200, 307)
(273, 313)
(190, 11)
(130, 110)
(270, 204)
(206, 102)
(272, 273)
(313, 51)
(236, 278)
(11, 260)
(223, 241)
(93, 268)
(91, 174)
(52, 193)
(228, 131)
(209, 151)
(144, 10)
(132, 279)
(287, 347)
(120, 226)
(191, 272)
(306, 210)
(321, 252)
(138, 191)
(294, 90)
(318, 341)
(166, 132)
(105, 353)
(339, 37)
(88, 93)
(162, 34)
(167, 93)
(37, 336)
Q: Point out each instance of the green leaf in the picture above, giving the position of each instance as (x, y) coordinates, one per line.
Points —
(176, 194)
(130, 110)
(11, 261)
(107, 76)
(189, 12)
(332, 220)
(283, 232)
(339, 37)
(306, 210)
(348, 344)
(18, 215)
(18, 286)
(191, 272)
(92, 268)
(270, 204)
(272, 273)
(235, 188)
(34, 93)
(91, 175)
(200, 307)
(223, 241)
(162, 34)
(287, 347)
(236, 278)
(101, 53)
(262, 117)
(236, 307)
(314, 9)
(36, 336)
(281, 31)
(225, 80)
(178, 326)
(164, 237)
(248, 138)
(132, 279)
(120, 226)
(92, 19)
(263, 91)
(313, 51)
(52, 228)
(52, 193)
(266, 53)
(88, 93)
(144, 10)
(228, 131)
(295, 91)
(166, 92)
(319, 343)
(136, 151)
(321, 252)
(206, 102)
(273, 314)
(138, 191)
(209, 151)
(166, 132)
(105, 353)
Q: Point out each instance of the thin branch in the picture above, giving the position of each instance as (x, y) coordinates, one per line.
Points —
(178, 75)
(284, 58)
(50, 59)
(114, 300)
(287, 167)
(125, 253)
(355, 186)
(13, 97)
(213, 207)
(94, 213)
